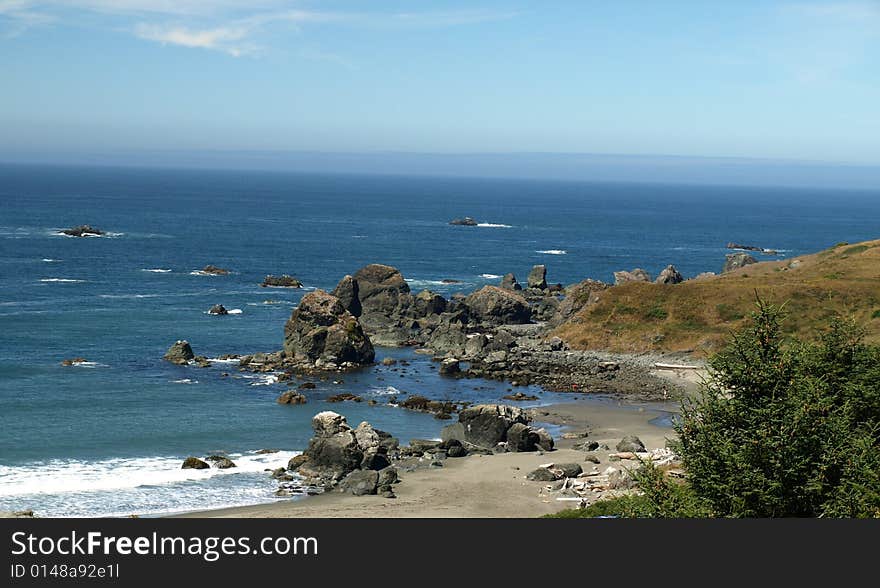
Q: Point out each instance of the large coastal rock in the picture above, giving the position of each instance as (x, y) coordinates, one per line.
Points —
(538, 277)
(486, 425)
(464, 222)
(336, 450)
(321, 328)
(492, 305)
(669, 275)
(735, 261)
(636, 275)
(179, 353)
(382, 290)
(347, 292)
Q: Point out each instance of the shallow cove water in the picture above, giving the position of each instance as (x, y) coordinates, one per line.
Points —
(107, 438)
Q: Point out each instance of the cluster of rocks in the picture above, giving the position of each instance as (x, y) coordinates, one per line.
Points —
(741, 247)
(83, 231)
(283, 281)
(221, 462)
(669, 275)
(354, 461)
(218, 310)
(497, 427)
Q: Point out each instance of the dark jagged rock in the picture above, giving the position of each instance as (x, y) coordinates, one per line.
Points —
(492, 305)
(542, 475)
(636, 275)
(538, 277)
(221, 462)
(83, 231)
(347, 292)
(735, 261)
(669, 275)
(545, 309)
(291, 397)
(752, 248)
(283, 281)
(214, 270)
(179, 353)
(508, 282)
(307, 386)
(345, 397)
(486, 425)
(382, 289)
(422, 404)
(194, 463)
(464, 222)
(427, 303)
(321, 328)
(218, 309)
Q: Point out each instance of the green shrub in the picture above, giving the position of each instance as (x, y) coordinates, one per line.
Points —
(783, 428)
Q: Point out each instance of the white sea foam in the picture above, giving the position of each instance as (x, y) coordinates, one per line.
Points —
(218, 360)
(74, 476)
(156, 270)
(428, 283)
(88, 364)
(359, 236)
(184, 381)
(234, 311)
(50, 260)
(264, 380)
(494, 226)
(384, 391)
(62, 280)
(124, 296)
(552, 251)
(490, 276)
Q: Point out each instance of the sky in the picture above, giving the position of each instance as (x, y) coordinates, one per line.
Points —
(791, 81)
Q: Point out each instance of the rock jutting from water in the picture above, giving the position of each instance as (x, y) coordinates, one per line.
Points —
(464, 222)
(283, 281)
(179, 353)
(322, 330)
(83, 231)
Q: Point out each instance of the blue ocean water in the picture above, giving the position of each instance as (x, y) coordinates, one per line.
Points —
(107, 438)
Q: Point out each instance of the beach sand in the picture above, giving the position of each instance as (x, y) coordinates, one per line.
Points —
(479, 485)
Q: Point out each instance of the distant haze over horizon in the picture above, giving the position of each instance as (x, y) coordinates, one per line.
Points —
(747, 92)
(587, 167)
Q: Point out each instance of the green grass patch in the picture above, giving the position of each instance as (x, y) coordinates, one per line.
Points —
(855, 249)
(656, 313)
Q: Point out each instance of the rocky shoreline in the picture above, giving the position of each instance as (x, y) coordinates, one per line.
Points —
(499, 332)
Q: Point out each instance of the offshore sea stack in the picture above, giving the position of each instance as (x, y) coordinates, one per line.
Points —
(323, 332)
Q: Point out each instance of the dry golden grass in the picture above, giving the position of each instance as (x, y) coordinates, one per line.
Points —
(697, 315)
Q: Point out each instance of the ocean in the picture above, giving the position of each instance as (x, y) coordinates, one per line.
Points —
(107, 438)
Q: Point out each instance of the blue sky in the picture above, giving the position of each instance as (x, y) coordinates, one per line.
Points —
(792, 80)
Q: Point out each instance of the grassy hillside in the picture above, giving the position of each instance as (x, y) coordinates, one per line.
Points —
(697, 315)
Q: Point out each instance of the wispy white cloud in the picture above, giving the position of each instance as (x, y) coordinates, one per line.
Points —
(229, 26)
(226, 39)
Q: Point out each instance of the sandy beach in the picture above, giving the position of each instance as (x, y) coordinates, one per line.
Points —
(480, 485)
